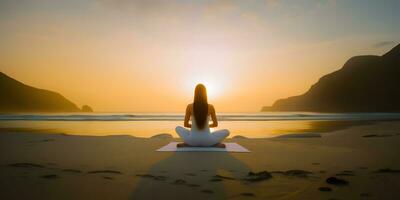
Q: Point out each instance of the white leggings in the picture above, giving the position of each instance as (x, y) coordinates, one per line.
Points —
(203, 138)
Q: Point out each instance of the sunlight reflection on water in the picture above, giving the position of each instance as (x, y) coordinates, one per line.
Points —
(254, 125)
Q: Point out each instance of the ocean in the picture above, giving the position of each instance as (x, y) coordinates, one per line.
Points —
(253, 125)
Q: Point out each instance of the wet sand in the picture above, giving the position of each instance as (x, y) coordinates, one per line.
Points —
(360, 162)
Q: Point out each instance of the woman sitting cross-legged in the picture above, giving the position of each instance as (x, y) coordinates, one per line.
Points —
(199, 134)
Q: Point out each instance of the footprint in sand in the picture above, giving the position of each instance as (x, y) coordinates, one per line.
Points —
(387, 170)
(184, 183)
(294, 172)
(336, 181)
(179, 182)
(223, 177)
(50, 176)
(72, 170)
(104, 172)
(207, 191)
(157, 178)
(374, 135)
(26, 165)
(160, 178)
(248, 194)
(108, 178)
(258, 176)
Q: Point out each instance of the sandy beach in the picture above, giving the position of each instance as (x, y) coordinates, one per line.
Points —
(363, 159)
(199, 100)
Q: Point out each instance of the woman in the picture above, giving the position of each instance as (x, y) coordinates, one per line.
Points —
(199, 112)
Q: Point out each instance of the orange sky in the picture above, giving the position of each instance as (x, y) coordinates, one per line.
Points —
(147, 57)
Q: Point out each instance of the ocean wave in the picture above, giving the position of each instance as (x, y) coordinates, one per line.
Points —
(221, 117)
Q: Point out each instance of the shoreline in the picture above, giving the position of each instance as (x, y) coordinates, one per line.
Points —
(271, 130)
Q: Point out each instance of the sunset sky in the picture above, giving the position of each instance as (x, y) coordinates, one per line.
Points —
(147, 55)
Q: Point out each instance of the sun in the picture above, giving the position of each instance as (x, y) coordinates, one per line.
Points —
(210, 66)
(214, 88)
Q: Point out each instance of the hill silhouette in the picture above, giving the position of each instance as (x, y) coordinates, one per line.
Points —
(363, 84)
(18, 97)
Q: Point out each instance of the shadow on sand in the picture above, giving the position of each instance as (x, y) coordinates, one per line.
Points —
(191, 175)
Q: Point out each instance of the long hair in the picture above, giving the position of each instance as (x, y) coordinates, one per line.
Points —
(200, 106)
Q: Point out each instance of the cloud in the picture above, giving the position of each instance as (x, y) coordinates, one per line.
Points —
(384, 44)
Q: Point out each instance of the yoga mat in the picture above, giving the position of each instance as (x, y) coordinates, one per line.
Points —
(230, 147)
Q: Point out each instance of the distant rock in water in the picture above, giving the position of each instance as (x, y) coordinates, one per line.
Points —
(162, 136)
(364, 84)
(87, 108)
(18, 97)
(258, 176)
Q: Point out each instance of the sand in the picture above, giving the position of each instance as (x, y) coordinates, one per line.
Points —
(361, 162)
